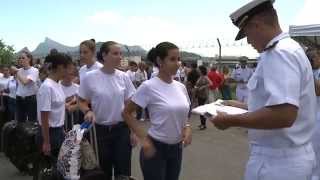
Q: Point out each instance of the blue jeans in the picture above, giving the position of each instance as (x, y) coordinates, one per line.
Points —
(165, 164)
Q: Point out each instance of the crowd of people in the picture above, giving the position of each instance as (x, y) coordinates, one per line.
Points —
(279, 94)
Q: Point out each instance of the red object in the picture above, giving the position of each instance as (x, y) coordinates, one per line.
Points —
(216, 79)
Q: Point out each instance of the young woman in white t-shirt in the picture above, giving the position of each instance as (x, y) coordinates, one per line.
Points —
(168, 104)
(27, 89)
(71, 91)
(107, 90)
(51, 105)
(87, 56)
(3, 93)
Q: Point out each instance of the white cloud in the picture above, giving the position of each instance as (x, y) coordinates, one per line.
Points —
(104, 18)
(309, 14)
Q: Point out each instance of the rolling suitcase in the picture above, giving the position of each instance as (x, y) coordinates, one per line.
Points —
(8, 137)
(24, 149)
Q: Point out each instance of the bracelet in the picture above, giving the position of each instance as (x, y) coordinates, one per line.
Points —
(187, 125)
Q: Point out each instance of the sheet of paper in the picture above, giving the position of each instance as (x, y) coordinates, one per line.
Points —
(217, 106)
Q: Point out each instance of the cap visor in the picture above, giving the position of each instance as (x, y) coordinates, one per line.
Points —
(240, 35)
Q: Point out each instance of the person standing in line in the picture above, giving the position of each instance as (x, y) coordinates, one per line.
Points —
(140, 76)
(11, 89)
(192, 79)
(71, 91)
(51, 105)
(225, 86)
(3, 93)
(107, 90)
(314, 57)
(281, 103)
(27, 77)
(202, 92)
(168, 104)
(133, 67)
(241, 76)
(216, 80)
(87, 56)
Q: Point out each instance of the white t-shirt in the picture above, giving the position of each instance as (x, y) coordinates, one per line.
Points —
(141, 76)
(168, 105)
(71, 90)
(283, 76)
(131, 75)
(107, 94)
(12, 86)
(31, 88)
(84, 69)
(51, 98)
(4, 82)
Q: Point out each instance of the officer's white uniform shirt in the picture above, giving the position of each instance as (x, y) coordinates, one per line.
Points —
(71, 90)
(107, 94)
(50, 97)
(283, 75)
(168, 105)
(31, 88)
(84, 69)
(242, 74)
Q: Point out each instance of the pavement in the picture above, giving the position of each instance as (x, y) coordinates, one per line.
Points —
(213, 155)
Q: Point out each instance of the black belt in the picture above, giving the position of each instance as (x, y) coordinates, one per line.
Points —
(111, 127)
(26, 97)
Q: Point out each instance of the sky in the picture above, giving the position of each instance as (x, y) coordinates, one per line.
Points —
(194, 25)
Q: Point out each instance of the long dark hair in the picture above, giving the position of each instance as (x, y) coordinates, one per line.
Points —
(105, 48)
(161, 51)
(52, 61)
(29, 56)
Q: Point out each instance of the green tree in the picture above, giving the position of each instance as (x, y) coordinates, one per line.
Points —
(6, 54)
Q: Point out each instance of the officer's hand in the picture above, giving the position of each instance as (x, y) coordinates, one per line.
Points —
(90, 117)
(220, 121)
(148, 148)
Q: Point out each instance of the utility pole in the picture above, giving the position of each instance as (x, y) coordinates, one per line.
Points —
(219, 60)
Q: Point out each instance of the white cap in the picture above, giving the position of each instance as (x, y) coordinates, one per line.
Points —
(242, 15)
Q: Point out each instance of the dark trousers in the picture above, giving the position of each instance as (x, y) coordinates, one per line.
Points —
(202, 101)
(165, 164)
(26, 108)
(56, 136)
(114, 147)
(12, 108)
(4, 111)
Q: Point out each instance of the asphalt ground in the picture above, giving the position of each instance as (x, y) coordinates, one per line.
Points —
(213, 155)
